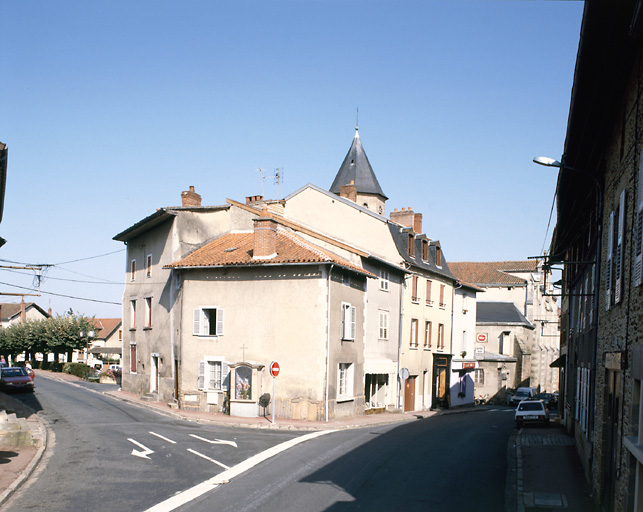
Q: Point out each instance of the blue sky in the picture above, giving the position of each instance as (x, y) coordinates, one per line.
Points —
(111, 108)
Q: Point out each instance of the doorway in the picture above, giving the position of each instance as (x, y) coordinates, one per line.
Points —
(409, 393)
(154, 374)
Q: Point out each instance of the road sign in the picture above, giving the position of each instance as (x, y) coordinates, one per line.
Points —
(274, 368)
(404, 373)
(482, 338)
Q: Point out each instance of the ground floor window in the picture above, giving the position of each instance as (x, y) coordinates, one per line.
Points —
(479, 376)
(132, 357)
(212, 374)
(345, 381)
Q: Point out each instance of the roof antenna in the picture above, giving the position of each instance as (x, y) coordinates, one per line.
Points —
(261, 178)
(357, 120)
(279, 178)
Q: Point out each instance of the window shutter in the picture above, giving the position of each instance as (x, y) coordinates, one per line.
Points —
(353, 322)
(225, 376)
(196, 316)
(201, 379)
(219, 321)
(638, 235)
(608, 269)
(618, 286)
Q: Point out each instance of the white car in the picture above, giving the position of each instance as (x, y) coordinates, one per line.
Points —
(531, 411)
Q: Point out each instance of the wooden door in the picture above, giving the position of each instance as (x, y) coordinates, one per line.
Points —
(409, 393)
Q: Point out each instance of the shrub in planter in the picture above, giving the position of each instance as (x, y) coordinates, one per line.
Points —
(78, 369)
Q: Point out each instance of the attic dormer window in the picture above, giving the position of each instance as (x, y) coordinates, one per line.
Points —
(411, 245)
(425, 250)
(438, 256)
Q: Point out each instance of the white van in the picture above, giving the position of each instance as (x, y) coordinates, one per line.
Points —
(523, 394)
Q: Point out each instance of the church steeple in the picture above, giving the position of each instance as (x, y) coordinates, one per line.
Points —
(356, 170)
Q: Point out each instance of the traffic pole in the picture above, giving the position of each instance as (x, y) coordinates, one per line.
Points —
(273, 399)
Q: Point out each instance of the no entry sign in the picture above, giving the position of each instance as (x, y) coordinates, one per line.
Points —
(274, 368)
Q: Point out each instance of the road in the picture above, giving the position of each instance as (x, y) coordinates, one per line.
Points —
(105, 451)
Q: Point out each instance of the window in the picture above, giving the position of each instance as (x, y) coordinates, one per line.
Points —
(479, 377)
(425, 250)
(348, 321)
(148, 266)
(132, 314)
(414, 332)
(441, 336)
(414, 289)
(442, 303)
(383, 325)
(207, 321)
(411, 245)
(384, 280)
(345, 381)
(638, 233)
(428, 334)
(438, 256)
(346, 279)
(132, 357)
(429, 285)
(212, 373)
(133, 270)
(620, 235)
(148, 312)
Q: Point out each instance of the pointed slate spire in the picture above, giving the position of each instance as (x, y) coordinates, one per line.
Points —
(357, 169)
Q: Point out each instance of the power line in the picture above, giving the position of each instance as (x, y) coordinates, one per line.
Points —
(61, 295)
(89, 258)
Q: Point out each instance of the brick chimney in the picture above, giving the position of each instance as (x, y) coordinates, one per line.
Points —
(23, 311)
(349, 191)
(408, 218)
(190, 197)
(254, 200)
(265, 233)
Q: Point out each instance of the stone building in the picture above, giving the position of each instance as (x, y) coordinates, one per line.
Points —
(598, 237)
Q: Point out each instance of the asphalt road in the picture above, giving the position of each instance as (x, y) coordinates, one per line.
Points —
(108, 454)
(443, 463)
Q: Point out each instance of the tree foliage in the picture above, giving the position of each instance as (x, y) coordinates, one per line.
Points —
(56, 335)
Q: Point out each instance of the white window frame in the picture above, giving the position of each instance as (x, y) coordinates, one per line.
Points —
(217, 370)
(132, 314)
(384, 323)
(345, 382)
(147, 323)
(132, 270)
(349, 321)
(620, 235)
(201, 322)
(148, 266)
(384, 280)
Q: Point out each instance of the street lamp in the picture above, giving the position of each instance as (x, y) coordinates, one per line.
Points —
(90, 334)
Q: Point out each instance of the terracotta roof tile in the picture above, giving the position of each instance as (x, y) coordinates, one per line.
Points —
(237, 249)
(488, 273)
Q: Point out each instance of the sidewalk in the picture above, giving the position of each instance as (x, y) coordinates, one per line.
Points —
(548, 474)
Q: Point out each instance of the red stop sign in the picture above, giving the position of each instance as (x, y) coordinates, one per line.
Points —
(274, 368)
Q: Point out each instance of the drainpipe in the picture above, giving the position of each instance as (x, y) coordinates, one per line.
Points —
(171, 312)
(330, 271)
(398, 379)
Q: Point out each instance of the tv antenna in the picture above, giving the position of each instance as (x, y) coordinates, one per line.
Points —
(262, 178)
(279, 178)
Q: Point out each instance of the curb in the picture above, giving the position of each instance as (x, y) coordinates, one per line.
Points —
(31, 467)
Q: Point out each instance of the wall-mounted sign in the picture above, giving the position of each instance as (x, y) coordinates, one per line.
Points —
(479, 350)
(468, 365)
(482, 337)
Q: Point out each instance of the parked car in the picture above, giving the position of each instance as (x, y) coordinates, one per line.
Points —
(531, 411)
(522, 394)
(550, 400)
(15, 378)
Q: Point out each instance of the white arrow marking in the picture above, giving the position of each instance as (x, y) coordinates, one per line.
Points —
(215, 441)
(144, 454)
(207, 458)
(164, 438)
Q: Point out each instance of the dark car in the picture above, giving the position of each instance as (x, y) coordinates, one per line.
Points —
(549, 399)
(15, 378)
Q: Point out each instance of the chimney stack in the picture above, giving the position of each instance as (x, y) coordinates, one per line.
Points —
(190, 197)
(408, 219)
(265, 233)
(349, 191)
(23, 311)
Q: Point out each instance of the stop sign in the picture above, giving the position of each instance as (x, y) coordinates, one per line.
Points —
(274, 368)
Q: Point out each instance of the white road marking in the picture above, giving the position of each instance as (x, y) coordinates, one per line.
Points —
(144, 454)
(184, 497)
(164, 438)
(215, 441)
(208, 458)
